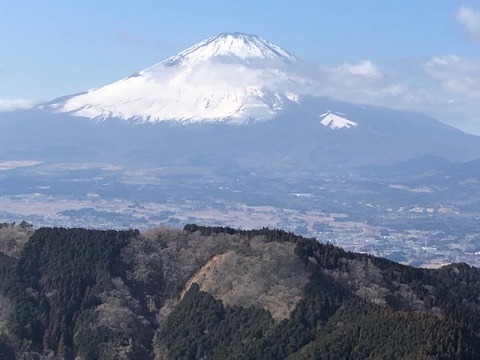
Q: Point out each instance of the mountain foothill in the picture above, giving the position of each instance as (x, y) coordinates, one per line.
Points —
(223, 293)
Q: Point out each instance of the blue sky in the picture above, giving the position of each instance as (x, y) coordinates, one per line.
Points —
(422, 55)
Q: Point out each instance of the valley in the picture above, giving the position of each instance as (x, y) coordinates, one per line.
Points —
(409, 219)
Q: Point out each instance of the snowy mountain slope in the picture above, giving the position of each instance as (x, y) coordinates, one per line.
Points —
(234, 78)
(294, 140)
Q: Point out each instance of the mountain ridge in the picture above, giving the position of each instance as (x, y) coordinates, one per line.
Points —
(141, 296)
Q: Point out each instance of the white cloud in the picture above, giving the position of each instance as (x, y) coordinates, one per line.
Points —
(470, 19)
(456, 100)
(445, 87)
(363, 82)
(457, 76)
(363, 68)
(15, 104)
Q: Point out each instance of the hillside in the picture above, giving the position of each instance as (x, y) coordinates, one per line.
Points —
(220, 293)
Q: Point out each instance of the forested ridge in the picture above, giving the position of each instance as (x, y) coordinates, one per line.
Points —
(222, 293)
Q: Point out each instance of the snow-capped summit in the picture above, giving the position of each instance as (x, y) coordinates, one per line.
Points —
(242, 46)
(233, 77)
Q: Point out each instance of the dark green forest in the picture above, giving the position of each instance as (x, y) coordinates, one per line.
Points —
(91, 294)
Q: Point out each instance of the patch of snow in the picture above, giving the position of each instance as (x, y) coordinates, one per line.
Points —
(335, 121)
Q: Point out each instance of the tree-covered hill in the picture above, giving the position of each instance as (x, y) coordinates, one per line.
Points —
(222, 293)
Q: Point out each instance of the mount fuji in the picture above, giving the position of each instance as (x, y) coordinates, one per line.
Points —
(234, 101)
